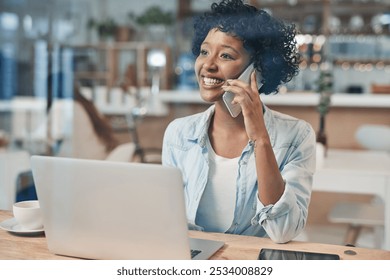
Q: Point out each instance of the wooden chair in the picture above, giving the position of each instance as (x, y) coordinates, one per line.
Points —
(123, 152)
(358, 214)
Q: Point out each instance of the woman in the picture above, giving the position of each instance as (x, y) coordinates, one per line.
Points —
(88, 134)
(251, 174)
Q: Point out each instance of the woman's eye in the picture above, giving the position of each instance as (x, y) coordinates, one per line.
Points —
(226, 56)
(203, 52)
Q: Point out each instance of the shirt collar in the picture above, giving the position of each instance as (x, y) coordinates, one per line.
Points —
(200, 132)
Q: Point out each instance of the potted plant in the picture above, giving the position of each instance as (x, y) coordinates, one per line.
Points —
(106, 29)
(154, 22)
(325, 89)
(153, 16)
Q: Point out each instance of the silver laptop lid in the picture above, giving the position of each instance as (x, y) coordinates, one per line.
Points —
(111, 210)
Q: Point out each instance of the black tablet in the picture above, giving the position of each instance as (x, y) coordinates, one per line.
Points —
(274, 254)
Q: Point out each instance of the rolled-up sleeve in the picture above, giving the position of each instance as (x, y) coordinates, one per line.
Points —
(285, 219)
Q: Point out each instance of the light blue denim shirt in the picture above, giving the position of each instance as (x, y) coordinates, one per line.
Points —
(293, 142)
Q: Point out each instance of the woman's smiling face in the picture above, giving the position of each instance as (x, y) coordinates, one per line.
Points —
(221, 57)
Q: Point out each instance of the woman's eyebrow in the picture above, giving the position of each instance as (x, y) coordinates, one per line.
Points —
(224, 46)
(231, 48)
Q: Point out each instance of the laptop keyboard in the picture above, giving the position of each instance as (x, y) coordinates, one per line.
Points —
(194, 253)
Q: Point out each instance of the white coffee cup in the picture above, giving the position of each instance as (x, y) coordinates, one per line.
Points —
(28, 214)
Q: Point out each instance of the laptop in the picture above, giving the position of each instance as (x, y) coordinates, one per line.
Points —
(98, 209)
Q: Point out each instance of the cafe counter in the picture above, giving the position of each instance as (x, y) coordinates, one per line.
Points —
(347, 112)
(299, 99)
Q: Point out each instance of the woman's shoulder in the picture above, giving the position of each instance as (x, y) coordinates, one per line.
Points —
(289, 121)
(191, 127)
(183, 122)
(191, 122)
(291, 127)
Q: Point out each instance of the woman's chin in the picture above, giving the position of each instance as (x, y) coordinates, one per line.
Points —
(210, 96)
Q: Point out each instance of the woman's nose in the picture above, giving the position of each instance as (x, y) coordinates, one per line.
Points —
(210, 64)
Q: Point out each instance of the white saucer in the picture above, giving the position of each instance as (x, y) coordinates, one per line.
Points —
(12, 225)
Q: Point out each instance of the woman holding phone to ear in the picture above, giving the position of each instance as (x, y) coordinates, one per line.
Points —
(250, 174)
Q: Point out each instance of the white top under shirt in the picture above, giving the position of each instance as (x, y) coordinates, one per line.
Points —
(216, 207)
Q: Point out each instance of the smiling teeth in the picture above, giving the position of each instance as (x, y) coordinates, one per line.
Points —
(211, 81)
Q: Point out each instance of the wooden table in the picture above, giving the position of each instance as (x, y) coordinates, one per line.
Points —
(237, 247)
(357, 172)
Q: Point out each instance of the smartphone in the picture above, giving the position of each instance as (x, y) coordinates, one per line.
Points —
(274, 254)
(235, 109)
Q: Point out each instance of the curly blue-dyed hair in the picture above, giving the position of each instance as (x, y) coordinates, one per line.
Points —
(270, 42)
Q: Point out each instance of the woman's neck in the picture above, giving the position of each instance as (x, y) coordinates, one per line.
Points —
(227, 135)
